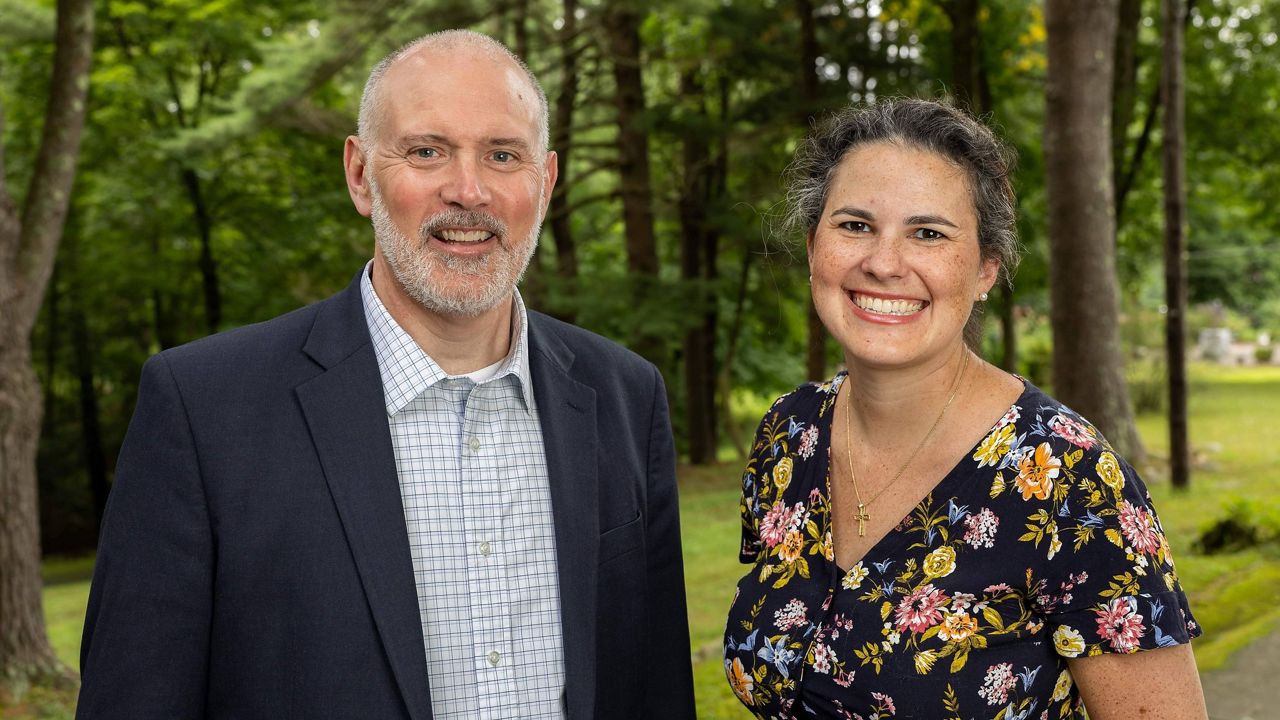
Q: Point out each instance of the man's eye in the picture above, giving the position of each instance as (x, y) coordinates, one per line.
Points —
(927, 234)
(503, 156)
(425, 152)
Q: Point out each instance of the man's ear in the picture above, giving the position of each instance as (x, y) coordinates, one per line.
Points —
(550, 173)
(357, 172)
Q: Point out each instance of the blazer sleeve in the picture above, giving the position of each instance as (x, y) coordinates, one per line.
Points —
(146, 633)
(667, 662)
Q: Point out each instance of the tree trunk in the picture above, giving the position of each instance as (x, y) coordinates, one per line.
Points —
(1175, 276)
(95, 458)
(1008, 328)
(622, 26)
(965, 54)
(816, 346)
(699, 339)
(28, 246)
(562, 142)
(1088, 363)
(208, 265)
(1124, 92)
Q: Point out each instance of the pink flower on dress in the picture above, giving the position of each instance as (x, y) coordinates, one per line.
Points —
(1074, 431)
(823, 657)
(886, 703)
(1139, 528)
(920, 610)
(1120, 624)
(999, 681)
(808, 442)
(792, 615)
(774, 526)
(982, 528)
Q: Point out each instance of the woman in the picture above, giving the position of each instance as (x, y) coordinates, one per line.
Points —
(932, 537)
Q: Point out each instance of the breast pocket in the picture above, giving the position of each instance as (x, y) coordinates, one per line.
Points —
(622, 539)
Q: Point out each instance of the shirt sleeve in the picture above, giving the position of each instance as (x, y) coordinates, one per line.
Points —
(1110, 585)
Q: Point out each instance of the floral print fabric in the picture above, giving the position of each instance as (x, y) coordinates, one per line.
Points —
(1039, 546)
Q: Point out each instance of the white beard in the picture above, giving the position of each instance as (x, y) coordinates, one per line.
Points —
(448, 284)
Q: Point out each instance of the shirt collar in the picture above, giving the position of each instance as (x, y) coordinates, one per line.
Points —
(407, 370)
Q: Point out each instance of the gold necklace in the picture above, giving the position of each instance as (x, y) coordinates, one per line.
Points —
(862, 517)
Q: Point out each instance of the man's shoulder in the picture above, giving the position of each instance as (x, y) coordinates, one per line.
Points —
(271, 349)
(587, 347)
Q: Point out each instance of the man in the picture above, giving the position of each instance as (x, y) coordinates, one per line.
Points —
(414, 499)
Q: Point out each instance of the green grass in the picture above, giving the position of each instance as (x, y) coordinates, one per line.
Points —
(1235, 596)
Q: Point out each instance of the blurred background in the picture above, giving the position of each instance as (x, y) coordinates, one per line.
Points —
(208, 193)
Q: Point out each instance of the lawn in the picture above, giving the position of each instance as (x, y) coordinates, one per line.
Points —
(1235, 596)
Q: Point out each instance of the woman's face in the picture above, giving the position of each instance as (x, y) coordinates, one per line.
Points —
(894, 260)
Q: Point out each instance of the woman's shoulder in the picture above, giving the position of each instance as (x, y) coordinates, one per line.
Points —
(1044, 418)
(807, 400)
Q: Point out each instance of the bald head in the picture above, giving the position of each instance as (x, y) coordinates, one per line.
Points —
(372, 102)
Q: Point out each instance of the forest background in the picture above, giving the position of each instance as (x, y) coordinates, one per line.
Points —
(209, 192)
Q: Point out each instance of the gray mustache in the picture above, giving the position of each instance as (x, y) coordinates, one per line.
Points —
(462, 218)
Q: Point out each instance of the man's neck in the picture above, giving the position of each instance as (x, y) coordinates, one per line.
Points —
(458, 344)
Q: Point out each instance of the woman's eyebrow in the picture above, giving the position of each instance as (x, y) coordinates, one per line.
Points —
(930, 220)
(855, 212)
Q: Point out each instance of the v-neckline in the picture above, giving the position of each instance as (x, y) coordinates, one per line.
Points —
(894, 529)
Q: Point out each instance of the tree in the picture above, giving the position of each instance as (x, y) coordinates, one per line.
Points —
(1088, 364)
(1175, 201)
(816, 348)
(28, 245)
(622, 30)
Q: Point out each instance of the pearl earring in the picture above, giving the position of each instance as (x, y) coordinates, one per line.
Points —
(982, 297)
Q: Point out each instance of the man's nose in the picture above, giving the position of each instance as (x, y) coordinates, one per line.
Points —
(465, 185)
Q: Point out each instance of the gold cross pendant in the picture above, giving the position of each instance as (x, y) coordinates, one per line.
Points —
(862, 517)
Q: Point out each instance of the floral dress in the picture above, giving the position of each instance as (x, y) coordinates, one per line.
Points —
(1040, 545)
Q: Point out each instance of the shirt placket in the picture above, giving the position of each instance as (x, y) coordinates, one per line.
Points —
(482, 498)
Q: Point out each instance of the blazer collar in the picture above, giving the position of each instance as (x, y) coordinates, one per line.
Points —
(344, 410)
(567, 414)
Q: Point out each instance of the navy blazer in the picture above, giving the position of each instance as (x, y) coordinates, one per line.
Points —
(254, 562)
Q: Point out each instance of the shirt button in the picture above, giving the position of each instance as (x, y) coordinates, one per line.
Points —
(494, 657)
(474, 444)
(484, 548)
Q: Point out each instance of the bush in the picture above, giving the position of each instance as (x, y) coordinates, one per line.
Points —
(1246, 525)
(1263, 354)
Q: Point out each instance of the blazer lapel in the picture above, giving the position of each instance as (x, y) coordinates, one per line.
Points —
(567, 414)
(345, 411)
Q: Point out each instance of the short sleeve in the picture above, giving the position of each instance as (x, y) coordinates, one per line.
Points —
(1110, 585)
(749, 504)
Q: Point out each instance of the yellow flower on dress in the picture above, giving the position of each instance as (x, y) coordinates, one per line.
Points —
(994, 446)
(854, 577)
(957, 627)
(1036, 472)
(1109, 470)
(740, 680)
(940, 562)
(1068, 641)
(782, 473)
(791, 547)
(1063, 688)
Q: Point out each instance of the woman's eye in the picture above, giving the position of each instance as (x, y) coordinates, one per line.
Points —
(855, 226)
(927, 234)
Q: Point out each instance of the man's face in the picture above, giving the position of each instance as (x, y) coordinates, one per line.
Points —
(457, 183)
